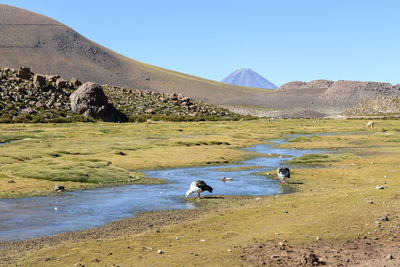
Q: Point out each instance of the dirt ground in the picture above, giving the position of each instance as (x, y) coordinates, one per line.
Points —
(10, 251)
(359, 252)
(363, 251)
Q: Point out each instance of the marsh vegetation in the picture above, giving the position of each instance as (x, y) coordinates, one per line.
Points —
(338, 199)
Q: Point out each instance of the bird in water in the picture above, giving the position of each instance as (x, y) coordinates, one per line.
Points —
(283, 173)
(225, 179)
(198, 187)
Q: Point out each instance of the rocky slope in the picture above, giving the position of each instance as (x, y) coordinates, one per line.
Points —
(29, 97)
(376, 106)
(331, 97)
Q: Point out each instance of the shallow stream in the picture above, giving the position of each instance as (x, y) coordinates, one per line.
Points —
(26, 218)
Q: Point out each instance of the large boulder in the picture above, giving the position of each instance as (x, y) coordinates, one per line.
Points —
(89, 100)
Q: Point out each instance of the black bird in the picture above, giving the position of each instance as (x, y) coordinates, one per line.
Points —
(283, 173)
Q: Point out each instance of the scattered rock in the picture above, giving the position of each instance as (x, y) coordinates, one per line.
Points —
(380, 187)
(95, 260)
(384, 218)
(39, 81)
(229, 250)
(318, 238)
(75, 82)
(61, 83)
(160, 251)
(389, 257)
(24, 73)
(11, 181)
(312, 259)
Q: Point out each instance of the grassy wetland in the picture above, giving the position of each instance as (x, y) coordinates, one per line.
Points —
(335, 207)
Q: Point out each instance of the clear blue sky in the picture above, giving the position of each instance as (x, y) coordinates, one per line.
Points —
(283, 40)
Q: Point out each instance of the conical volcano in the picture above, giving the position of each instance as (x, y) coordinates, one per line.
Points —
(249, 78)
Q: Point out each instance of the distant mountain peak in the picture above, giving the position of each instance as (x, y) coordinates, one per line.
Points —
(250, 78)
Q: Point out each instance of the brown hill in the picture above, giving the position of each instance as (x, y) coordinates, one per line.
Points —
(47, 46)
(332, 97)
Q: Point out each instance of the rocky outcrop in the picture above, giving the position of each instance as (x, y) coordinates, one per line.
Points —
(376, 106)
(319, 84)
(46, 98)
(299, 84)
(89, 100)
(135, 103)
(292, 85)
(353, 92)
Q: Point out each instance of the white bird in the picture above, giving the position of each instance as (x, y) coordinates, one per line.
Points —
(198, 187)
(224, 179)
(283, 173)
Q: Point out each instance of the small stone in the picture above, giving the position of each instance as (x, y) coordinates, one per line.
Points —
(95, 260)
(177, 238)
(318, 238)
(160, 251)
(229, 250)
(79, 265)
(202, 240)
(379, 187)
(389, 257)
(11, 181)
(384, 218)
(285, 211)
(274, 256)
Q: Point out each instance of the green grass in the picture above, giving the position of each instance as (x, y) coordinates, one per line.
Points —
(75, 170)
(322, 158)
(302, 139)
